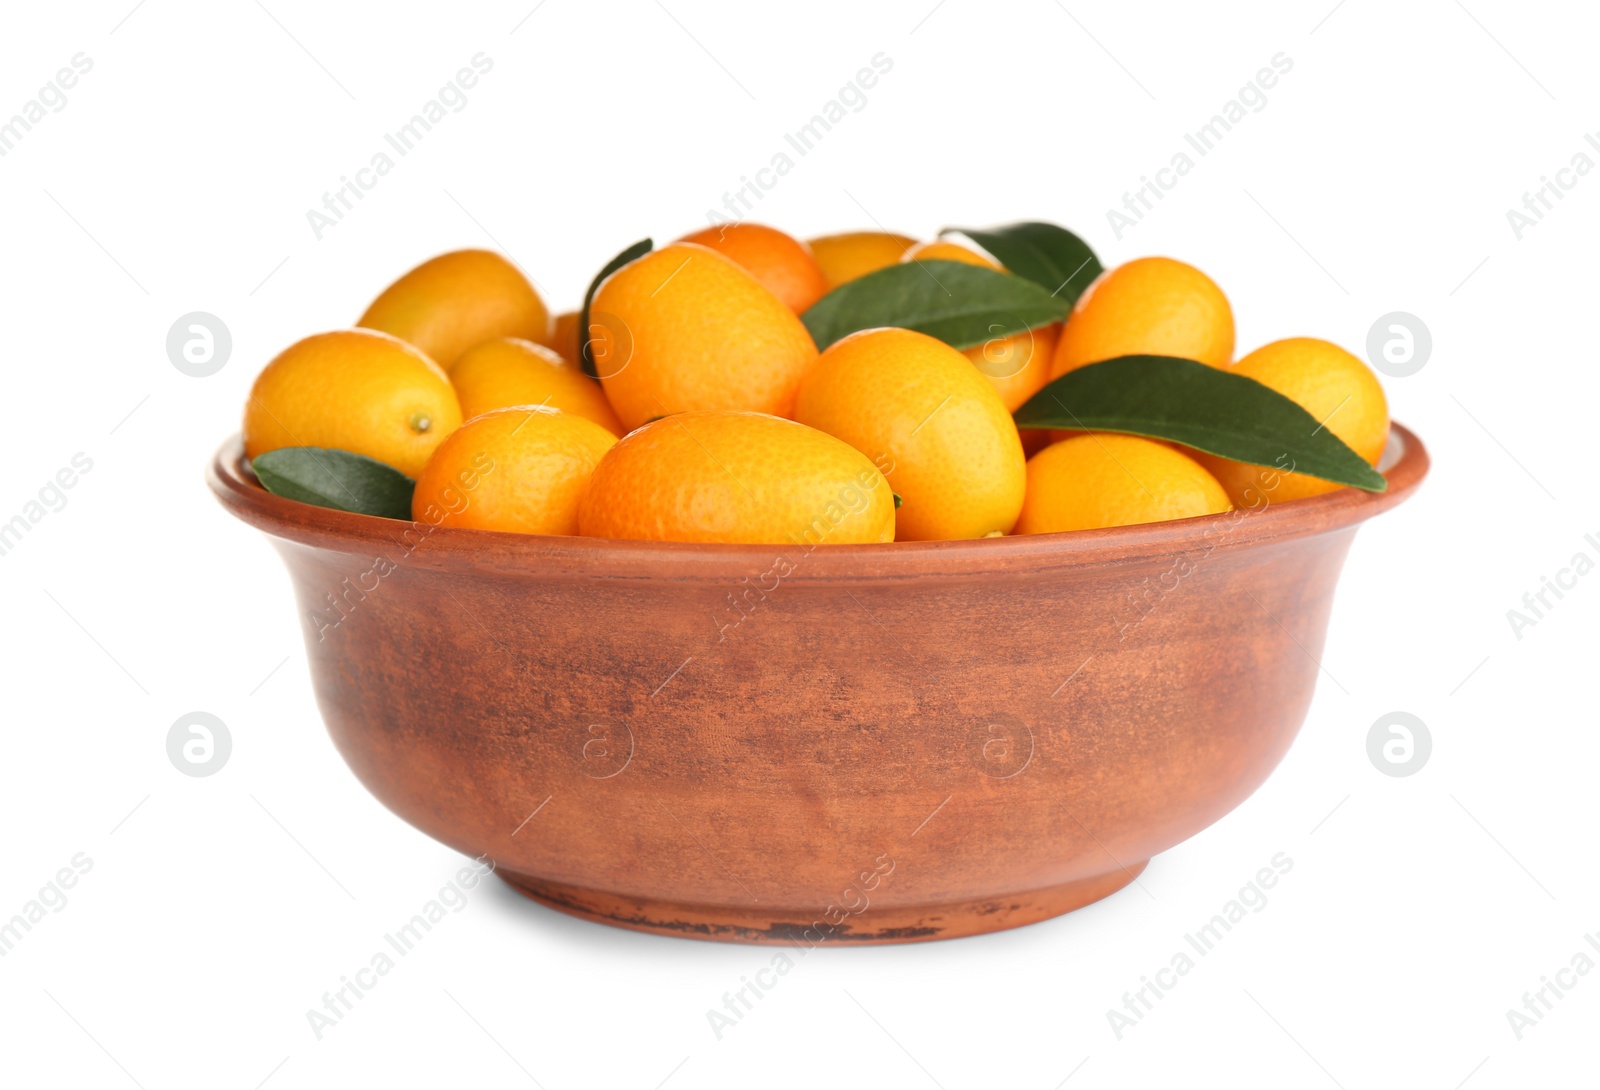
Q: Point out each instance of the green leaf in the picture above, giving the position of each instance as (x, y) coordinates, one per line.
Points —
(336, 479)
(632, 253)
(1050, 256)
(1228, 415)
(960, 304)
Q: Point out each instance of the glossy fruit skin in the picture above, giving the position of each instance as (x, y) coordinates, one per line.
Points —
(942, 249)
(1335, 387)
(736, 477)
(852, 255)
(684, 329)
(508, 371)
(564, 335)
(782, 263)
(1096, 479)
(449, 303)
(1150, 306)
(521, 469)
(356, 390)
(930, 422)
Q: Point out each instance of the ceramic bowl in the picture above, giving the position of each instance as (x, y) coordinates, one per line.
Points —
(855, 744)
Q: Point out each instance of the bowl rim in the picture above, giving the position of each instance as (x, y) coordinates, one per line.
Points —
(447, 548)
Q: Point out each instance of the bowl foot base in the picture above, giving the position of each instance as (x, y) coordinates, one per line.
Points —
(757, 924)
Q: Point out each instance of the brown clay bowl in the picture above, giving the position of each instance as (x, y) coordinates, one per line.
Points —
(863, 744)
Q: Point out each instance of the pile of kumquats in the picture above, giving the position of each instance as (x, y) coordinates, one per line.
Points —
(740, 385)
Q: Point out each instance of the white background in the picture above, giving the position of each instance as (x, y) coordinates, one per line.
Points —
(1377, 178)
